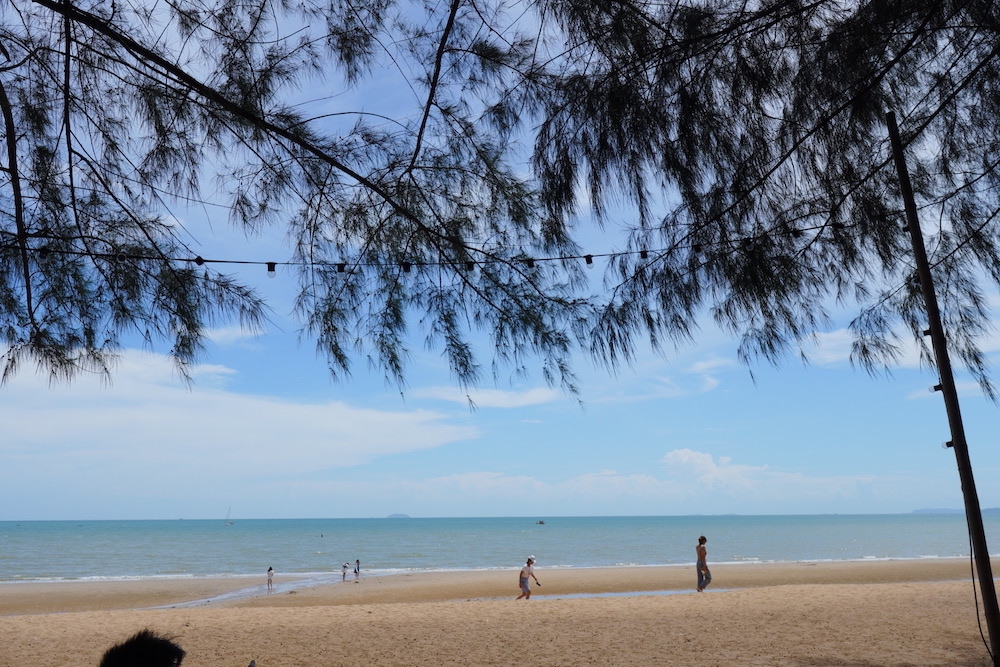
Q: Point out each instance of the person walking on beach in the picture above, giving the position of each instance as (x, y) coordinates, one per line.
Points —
(357, 569)
(523, 578)
(344, 570)
(704, 576)
(270, 579)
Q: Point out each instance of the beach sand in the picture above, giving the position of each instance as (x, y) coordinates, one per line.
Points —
(882, 613)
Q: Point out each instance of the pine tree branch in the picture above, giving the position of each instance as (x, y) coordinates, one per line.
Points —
(214, 97)
(6, 111)
(434, 82)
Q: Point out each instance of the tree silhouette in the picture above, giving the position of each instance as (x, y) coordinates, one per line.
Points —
(113, 112)
(762, 125)
(747, 139)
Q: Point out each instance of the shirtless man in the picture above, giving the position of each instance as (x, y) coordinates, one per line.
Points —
(704, 576)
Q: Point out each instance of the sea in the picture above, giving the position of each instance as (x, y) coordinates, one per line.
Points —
(315, 550)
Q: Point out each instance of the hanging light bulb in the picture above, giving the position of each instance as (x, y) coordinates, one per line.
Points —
(272, 269)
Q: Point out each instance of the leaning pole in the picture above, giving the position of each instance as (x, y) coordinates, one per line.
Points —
(973, 512)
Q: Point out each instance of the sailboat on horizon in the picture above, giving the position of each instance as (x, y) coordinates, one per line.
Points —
(229, 521)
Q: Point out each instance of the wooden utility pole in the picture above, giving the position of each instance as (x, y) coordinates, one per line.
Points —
(973, 512)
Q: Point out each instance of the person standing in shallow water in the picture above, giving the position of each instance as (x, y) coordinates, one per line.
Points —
(704, 576)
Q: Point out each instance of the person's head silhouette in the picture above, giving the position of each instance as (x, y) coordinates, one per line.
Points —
(144, 649)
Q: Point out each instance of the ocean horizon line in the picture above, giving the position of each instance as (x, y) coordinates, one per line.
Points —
(401, 516)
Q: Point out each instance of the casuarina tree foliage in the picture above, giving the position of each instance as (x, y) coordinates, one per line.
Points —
(739, 147)
(764, 125)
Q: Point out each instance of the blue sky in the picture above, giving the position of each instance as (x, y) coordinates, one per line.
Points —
(264, 430)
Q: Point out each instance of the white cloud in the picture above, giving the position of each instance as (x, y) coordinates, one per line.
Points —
(491, 398)
(655, 387)
(147, 418)
(711, 365)
(721, 477)
(708, 371)
(234, 336)
(147, 445)
(698, 378)
(692, 483)
(832, 347)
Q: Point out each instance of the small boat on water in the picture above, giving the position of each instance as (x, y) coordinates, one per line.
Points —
(229, 521)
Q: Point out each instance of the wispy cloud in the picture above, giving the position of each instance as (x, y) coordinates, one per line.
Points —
(722, 477)
(689, 482)
(712, 365)
(491, 398)
(229, 336)
(147, 417)
(833, 348)
(697, 378)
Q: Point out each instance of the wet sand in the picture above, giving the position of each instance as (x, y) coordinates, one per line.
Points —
(920, 612)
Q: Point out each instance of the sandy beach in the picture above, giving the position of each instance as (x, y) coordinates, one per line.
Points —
(920, 612)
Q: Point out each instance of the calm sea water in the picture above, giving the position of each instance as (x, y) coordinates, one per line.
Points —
(75, 550)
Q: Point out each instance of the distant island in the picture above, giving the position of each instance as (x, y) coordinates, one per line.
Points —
(398, 516)
(985, 510)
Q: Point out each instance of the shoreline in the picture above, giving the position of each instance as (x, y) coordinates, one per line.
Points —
(62, 596)
(850, 613)
(372, 571)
